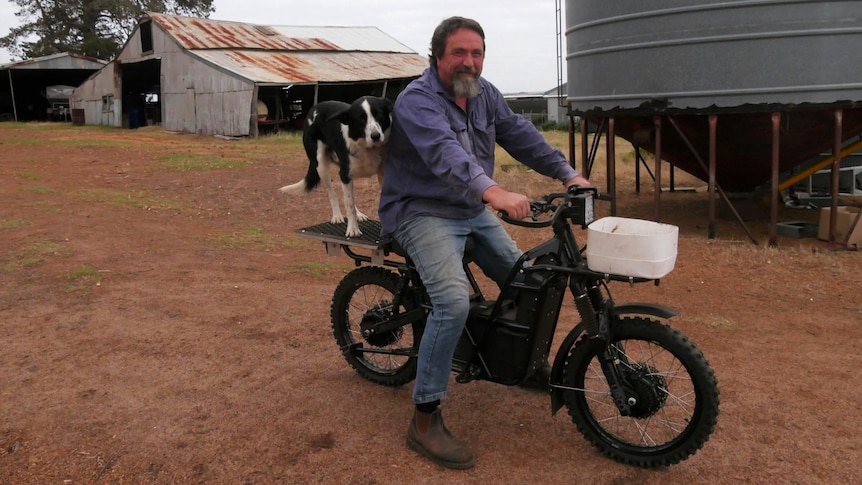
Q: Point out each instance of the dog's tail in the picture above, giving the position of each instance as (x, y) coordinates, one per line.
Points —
(307, 184)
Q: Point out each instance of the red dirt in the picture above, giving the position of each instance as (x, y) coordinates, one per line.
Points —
(167, 326)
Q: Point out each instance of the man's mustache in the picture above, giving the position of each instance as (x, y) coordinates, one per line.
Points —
(467, 70)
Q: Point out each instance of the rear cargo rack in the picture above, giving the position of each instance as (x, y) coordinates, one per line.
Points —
(332, 235)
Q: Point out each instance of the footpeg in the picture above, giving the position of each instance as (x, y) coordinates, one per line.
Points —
(470, 374)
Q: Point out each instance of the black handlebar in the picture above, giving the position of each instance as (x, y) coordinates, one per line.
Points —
(556, 203)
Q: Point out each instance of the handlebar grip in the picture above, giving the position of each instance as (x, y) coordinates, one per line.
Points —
(523, 223)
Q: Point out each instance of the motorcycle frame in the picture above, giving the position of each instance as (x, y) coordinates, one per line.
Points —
(589, 289)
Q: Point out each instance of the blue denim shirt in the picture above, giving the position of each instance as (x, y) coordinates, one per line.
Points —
(441, 160)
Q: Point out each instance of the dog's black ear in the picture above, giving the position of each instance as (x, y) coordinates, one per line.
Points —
(341, 115)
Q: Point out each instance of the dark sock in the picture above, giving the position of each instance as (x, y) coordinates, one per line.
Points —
(428, 407)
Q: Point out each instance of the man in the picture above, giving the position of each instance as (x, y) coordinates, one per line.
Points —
(437, 185)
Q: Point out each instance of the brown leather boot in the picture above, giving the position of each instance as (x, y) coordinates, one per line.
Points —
(428, 436)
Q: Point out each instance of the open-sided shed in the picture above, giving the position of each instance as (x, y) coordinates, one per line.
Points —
(236, 79)
(38, 89)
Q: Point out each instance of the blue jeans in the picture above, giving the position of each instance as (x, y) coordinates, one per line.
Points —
(436, 246)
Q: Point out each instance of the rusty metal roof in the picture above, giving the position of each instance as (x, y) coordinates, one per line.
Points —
(310, 67)
(294, 54)
(196, 33)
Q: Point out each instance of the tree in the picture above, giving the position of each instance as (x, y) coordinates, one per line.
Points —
(95, 28)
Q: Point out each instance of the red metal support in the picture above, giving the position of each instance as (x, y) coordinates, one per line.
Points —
(585, 165)
(572, 160)
(704, 168)
(836, 170)
(773, 219)
(713, 124)
(657, 169)
(612, 166)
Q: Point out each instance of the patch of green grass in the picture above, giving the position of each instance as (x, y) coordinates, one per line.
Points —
(28, 175)
(252, 237)
(89, 143)
(11, 224)
(138, 200)
(46, 207)
(45, 126)
(37, 252)
(82, 280)
(40, 190)
(84, 273)
(255, 237)
(296, 242)
(188, 163)
(287, 138)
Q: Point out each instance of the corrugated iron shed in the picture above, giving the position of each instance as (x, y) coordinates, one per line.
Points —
(236, 79)
(24, 84)
(63, 60)
(291, 54)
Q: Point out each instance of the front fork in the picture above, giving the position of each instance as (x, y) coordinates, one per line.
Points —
(597, 315)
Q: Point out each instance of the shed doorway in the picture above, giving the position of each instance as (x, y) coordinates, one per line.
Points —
(142, 96)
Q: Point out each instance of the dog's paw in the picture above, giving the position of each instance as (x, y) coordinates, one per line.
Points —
(360, 216)
(353, 231)
(337, 219)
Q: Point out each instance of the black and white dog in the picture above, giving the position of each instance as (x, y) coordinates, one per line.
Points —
(353, 136)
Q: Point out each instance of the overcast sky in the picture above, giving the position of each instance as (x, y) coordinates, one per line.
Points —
(520, 35)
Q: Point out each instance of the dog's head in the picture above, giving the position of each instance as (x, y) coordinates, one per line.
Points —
(368, 120)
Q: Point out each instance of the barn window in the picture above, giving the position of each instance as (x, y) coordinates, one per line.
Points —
(107, 103)
(146, 36)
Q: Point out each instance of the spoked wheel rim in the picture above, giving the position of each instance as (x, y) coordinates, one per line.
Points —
(660, 392)
(363, 300)
(668, 384)
(369, 304)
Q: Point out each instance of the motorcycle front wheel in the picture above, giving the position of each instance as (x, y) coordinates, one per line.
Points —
(671, 390)
(364, 298)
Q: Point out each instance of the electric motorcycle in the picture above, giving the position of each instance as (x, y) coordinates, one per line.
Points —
(637, 389)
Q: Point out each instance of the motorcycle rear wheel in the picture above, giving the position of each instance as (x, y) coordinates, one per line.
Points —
(673, 390)
(364, 297)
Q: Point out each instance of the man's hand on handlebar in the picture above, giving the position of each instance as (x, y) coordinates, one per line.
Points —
(516, 205)
(578, 180)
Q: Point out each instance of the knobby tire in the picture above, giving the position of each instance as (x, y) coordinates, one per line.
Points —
(675, 389)
(366, 295)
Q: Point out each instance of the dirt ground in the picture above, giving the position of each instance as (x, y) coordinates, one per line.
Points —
(162, 323)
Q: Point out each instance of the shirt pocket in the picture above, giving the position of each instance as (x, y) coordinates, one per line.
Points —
(484, 136)
(462, 133)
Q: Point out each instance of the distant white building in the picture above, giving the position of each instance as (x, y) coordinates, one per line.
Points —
(540, 107)
(558, 110)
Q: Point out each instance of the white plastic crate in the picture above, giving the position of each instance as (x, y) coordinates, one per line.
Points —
(631, 247)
